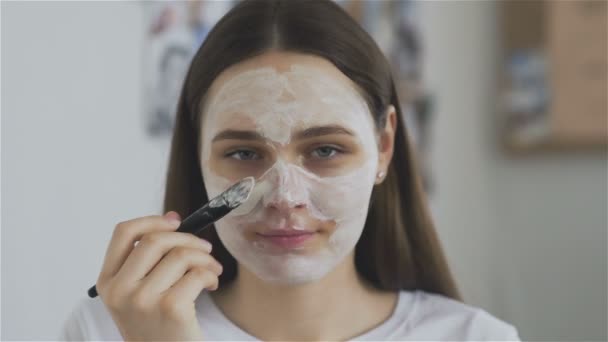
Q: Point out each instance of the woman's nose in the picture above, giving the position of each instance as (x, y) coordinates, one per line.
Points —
(290, 190)
(286, 205)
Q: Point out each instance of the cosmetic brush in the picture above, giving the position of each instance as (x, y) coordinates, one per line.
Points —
(211, 212)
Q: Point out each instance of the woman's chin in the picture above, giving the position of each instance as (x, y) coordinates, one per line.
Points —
(292, 273)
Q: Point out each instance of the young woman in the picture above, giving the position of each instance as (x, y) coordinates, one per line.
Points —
(336, 245)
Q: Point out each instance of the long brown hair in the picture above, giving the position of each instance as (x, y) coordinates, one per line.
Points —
(399, 248)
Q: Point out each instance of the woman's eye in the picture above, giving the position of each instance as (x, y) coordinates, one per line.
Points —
(243, 155)
(325, 152)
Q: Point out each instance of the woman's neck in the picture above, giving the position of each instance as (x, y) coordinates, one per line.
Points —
(338, 307)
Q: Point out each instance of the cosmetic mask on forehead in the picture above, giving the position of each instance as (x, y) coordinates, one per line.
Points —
(276, 105)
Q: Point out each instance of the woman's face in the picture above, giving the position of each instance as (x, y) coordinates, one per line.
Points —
(296, 124)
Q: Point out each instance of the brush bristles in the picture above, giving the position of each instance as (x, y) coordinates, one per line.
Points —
(239, 192)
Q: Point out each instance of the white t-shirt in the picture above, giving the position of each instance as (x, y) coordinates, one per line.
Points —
(418, 316)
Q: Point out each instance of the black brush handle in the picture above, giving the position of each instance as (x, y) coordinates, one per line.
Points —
(193, 224)
(202, 218)
(92, 291)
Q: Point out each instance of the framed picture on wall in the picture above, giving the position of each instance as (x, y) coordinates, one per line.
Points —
(555, 91)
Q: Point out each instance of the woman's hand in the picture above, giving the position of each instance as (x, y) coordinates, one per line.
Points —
(150, 288)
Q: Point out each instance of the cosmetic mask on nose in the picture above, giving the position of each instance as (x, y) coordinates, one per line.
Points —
(275, 105)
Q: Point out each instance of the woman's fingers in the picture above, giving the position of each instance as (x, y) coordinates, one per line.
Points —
(162, 257)
(174, 265)
(124, 237)
(189, 287)
(151, 248)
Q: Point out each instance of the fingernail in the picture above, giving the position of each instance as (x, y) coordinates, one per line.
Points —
(207, 245)
(173, 218)
(174, 222)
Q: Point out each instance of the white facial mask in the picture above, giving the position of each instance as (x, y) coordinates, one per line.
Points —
(277, 104)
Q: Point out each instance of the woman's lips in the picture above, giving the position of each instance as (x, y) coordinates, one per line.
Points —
(287, 238)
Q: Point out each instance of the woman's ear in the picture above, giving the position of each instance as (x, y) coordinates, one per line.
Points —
(386, 143)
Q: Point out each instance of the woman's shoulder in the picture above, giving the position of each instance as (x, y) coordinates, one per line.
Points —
(447, 318)
(89, 319)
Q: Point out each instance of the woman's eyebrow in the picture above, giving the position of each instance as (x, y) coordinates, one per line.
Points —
(237, 135)
(311, 132)
(322, 130)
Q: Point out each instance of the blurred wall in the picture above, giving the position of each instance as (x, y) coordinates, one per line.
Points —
(526, 237)
(75, 160)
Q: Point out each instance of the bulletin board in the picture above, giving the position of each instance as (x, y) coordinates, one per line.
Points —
(554, 92)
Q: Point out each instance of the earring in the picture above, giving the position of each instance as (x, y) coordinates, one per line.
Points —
(380, 177)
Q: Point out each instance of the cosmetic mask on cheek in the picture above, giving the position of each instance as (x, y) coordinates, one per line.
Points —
(276, 105)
